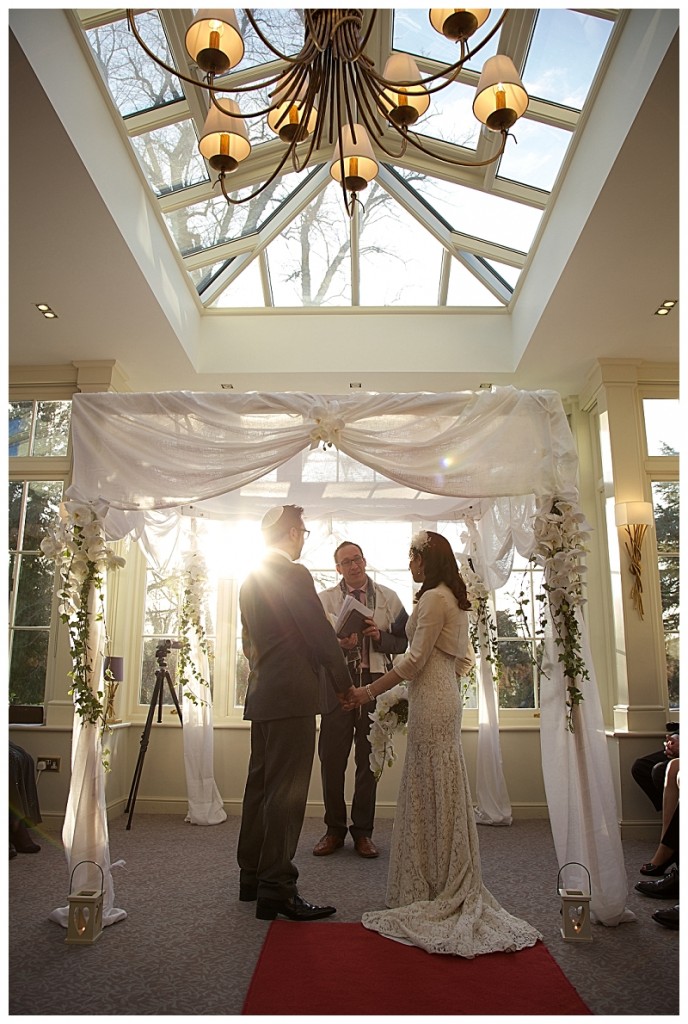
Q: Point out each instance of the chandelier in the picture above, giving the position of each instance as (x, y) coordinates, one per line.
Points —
(330, 93)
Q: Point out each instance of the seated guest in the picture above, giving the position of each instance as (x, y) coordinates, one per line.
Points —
(24, 810)
(649, 771)
(667, 851)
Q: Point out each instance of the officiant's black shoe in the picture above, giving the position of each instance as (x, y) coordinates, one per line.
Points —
(248, 893)
(296, 909)
(663, 889)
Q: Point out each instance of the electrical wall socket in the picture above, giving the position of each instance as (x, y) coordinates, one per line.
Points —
(52, 764)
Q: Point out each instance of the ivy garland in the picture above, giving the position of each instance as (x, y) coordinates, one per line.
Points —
(194, 582)
(76, 543)
(481, 624)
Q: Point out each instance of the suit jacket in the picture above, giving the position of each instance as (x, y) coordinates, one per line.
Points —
(288, 641)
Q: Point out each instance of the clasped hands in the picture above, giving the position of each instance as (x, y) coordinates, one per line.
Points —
(355, 697)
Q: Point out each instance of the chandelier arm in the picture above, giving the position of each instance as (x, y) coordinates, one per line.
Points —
(373, 126)
(413, 139)
(359, 51)
(320, 44)
(297, 59)
(466, 54)
(238, 202)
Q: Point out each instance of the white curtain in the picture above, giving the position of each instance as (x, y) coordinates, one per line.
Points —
(579, 788)
(85, 829)
(483, 456)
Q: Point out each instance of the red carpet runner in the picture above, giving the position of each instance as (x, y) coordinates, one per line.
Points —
(327, 968)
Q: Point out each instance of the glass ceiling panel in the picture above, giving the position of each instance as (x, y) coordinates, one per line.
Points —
(413, 32)
(135, 81)
(450, 117)
(466, 290)
(510, 274)
(537, 158)
(245, 290)
(203, 276)
(564, 55)
(476, 213)
(282, 26)
(214, 221)
(400, 260)
(170, 157)
(310, 262)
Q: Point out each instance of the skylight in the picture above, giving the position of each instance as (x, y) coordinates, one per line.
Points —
(429, 235)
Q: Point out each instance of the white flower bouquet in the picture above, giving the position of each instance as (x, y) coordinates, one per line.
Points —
(390, 714)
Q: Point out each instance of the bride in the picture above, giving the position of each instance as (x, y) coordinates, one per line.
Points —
(435, 892)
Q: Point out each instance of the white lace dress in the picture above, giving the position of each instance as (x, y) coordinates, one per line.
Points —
(435, 889)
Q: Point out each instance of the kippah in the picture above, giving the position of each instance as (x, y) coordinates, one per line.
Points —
(271, 517)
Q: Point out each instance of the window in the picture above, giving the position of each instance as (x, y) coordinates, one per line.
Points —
(38, 433)
(665, 499)
(39, 428)
(33, 505)
(517, 606)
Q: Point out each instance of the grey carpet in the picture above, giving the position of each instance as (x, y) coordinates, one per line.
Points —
(188, 947)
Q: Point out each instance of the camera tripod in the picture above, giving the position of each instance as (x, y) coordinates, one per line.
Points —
(162, 676)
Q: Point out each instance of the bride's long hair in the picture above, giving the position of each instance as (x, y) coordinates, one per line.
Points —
(439, 566)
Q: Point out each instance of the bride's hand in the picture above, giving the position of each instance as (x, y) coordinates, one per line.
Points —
(354, 698)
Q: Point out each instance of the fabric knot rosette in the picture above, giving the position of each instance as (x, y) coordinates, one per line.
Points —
(327, 428)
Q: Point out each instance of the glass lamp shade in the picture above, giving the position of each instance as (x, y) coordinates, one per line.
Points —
(360, 165)
(286, 118)
(224, 142)
(634, 513)
(406, 104)
(458, 23)
(214, 41)
(500, 98)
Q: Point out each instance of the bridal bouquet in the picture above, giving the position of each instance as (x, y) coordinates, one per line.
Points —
(390, 714)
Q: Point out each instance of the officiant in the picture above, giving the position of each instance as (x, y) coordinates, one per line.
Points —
(369, 654)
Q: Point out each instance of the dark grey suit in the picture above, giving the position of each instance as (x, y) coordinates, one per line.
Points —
(289, 642)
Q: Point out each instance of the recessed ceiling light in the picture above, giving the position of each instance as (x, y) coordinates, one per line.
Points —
(485, 387)
(45, 310)
(355, 384)
(666, 307)
(227, 387)
(662, 311)
(670, 303)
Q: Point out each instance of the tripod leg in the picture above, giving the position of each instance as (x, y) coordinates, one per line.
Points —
(174, 697)
(145, 735)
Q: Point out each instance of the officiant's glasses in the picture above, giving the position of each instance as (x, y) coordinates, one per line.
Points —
(347, 562)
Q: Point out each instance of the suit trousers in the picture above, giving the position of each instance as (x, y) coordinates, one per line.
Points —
(274, 804)
(338, 730)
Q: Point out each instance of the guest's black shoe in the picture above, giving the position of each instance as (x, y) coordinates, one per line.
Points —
(248, 893)
(669, 918)
(296, 909)
(656, 869)
(663, 889)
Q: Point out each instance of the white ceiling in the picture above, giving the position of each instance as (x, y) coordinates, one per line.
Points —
(66, 249)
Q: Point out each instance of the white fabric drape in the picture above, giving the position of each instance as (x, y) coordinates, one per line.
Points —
(85, 829)
(205, 802)
(485, 456)
(579, 788)
(493, 806)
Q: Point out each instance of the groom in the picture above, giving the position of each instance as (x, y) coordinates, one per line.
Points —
(287, 640)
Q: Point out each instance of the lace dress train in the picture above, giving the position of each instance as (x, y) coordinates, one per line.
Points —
(435, 889)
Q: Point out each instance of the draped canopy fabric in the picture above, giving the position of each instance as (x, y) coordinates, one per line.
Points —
(141, 452)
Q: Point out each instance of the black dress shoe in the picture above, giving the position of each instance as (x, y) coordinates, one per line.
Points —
(296, 909)
(669, 918)
(663, 889)
(248, 893)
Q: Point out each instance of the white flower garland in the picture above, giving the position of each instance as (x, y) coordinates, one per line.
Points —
(390, 714)
(76, 543)
(561, 534)
(194, 585)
